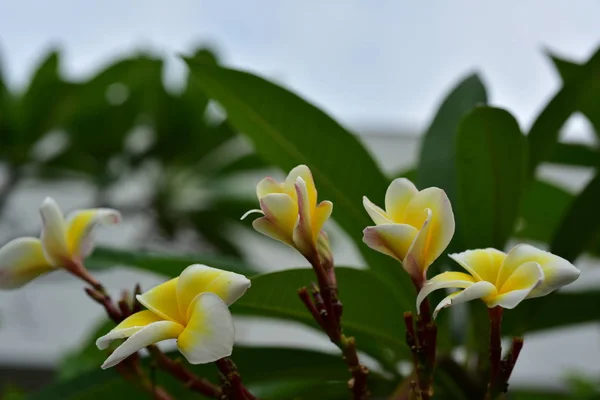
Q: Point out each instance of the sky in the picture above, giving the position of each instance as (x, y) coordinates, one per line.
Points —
(368, 63)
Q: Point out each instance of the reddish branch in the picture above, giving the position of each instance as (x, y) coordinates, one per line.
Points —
(326, 309)
(421, 338)
(500, 369)
(184, 375)
(233, 387)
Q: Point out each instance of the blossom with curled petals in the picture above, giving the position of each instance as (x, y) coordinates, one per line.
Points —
(64, 243)
(501, 279)
(415, 227)
(290, 209)
(192, 308)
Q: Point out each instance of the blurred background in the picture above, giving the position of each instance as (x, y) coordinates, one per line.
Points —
(96, 109)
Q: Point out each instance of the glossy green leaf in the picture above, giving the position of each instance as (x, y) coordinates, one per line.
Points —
(580, 225)
(589, 102)
(272, 373)
(554, 311)
(575, 154)
(287, 131)
(437, 163)
(491, 164)
(161, 263)
(542, 208)
(373, 308)
(544, 132)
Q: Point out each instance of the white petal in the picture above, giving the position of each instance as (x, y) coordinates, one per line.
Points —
(54, 233)
(253, 211)
(558, 272)
(199, 278)
(445, 280)
(398, 195)
(478, 290)
(128, 327)
(22, 260)
(378, 216)
(80, 225)
(150, 334)
(209, 334)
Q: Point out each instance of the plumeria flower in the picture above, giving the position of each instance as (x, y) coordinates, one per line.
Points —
(415, 227)
(290, 209)
(192, 308)
(501, 279)
(64, 243)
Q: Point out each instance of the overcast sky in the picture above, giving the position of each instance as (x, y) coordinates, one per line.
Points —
(366, 62)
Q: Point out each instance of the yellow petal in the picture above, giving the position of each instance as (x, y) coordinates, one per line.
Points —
(484, 264)
(445, 280)
(209, 334)
(22, 260)
(301, 171)
(398, 195)
(54, 233)
(281, 210)
(518, 286)
(558, 272)
(303, 231)
(128, 327)
(198, 278)
(430, 211)
(478, 290)
(393, 240)
(147, 335)
(80, 225)
(272, 230)
(162, 300)
(322, 214)
(267, 186)
(378, 215)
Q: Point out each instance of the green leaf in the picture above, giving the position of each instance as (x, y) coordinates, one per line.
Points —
(270, 372)
(87, 357)
(544, 132)
(437, 164)
(161, 263)
(372, 307)
(589, 102)
(557, 310)
(287, 131)
(575, 154)
(580, 226)
(40, 109)
(542, 208)
(491, 163)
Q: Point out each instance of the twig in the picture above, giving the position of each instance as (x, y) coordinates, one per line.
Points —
(181, 373)
(233, 388)
(495, 386)
(326, 310)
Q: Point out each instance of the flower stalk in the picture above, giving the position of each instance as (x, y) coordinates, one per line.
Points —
(500, 369)
(326, 309)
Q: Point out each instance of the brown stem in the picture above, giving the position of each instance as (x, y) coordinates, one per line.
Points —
(181, 373)
(233, 389)
(360, 373)
(326, 309)
(495, 384)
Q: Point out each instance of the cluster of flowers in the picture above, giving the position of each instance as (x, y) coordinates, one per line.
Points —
(415, 228)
